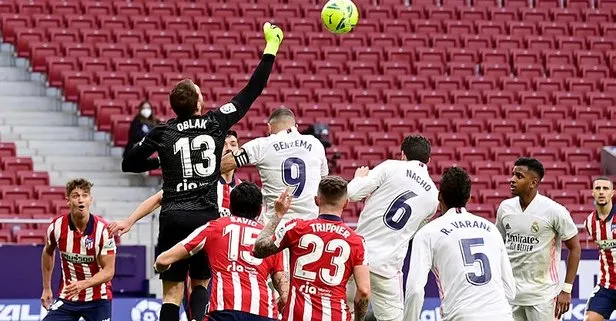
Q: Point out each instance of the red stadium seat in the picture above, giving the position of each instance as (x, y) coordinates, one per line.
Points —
(518, 140)
(32, 178)
(30, 236)
(7, 178)
(49, 193)
(7, 149)
(15, 192)
(16, 164)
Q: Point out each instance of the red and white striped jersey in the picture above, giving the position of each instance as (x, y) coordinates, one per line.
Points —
(603, 232)
(79, 254)
(239, 280)
(224, 194)
(324, 251)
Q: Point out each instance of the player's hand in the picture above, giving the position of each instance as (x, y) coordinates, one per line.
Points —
(73, 289)
(563, 302)
(362, 171)
(273, 38)
(281, 302)
(282, 204)
(46, 298)
(120, 227)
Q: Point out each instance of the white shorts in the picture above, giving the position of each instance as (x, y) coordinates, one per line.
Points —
(540, 312)
(387, 297)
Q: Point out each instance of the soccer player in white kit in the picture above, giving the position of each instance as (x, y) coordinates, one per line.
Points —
(284, 159)
(466, 254)
(400, 197)
(533, 227)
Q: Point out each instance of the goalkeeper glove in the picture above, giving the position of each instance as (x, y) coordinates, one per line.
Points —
(273, 38)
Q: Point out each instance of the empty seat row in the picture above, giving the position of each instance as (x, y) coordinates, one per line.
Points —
(40, 192)
(22, 208)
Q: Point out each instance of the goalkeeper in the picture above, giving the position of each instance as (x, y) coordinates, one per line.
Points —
(190, 182)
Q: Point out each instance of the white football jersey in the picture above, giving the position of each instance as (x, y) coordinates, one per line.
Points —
(402, 197)
(468, 258)
(534, 240)
(289, 159)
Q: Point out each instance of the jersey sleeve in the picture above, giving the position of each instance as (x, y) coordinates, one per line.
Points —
(229, 114)
(421, 263)
(137, 159)
(587, 226)
(563, 223)
(108, 243)
(360, 187)
(359, 255)
(507, 273)
(286, 235)
(499, 221)
(51, 234)
(277, 264)
(195, 242)
(253, 150)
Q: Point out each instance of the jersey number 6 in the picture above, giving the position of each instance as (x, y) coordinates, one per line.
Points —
(399, 211)
(206, 145)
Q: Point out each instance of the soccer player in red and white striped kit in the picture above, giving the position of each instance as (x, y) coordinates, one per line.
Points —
(87, 256)
(239, 286)
(600, 225)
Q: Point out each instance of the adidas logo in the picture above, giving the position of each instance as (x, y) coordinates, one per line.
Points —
(507, 226)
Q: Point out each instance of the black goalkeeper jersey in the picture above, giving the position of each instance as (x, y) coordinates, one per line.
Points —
(190, 150)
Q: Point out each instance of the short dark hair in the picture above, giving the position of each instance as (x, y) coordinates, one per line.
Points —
(231, 132)
(455, 187)
(532, 164)
(602, 178)
(332, 189)
(184, 98)
(280, 113)
(416, 147)
(246, 200)
(80, 183)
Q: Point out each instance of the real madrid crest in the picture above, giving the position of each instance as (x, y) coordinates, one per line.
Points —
(535, 227)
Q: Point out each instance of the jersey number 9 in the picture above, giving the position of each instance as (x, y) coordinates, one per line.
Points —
(294, 174)
(470, 258)
(203, 143)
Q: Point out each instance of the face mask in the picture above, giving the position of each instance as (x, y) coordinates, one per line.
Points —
(146, 113)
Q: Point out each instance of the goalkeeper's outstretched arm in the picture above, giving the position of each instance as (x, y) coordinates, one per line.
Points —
(232, 112)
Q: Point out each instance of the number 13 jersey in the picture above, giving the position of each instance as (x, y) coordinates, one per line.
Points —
(289, 159)
(401, 196)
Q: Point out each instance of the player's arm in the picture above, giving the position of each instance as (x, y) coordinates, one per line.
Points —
(144, 209)
(192, 244)
(232, 112)
(47, 262)
(366, 181)
(249, 153)
(361, 273)
(324, 164)
(137, 159)
(267, 243)
(421, 261)
(507, 274)
(566, 229)
(499, 221)
(106, 261)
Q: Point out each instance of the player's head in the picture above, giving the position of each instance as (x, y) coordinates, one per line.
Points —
(416, 147)
(78, 196)
(231, 142)
(186, 99)
(602, 191)
(455, 188)
(280, 119)
(332, 195)
(246, 200)
(526, 175)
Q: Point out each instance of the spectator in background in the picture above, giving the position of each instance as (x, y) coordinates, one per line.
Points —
(142, 124)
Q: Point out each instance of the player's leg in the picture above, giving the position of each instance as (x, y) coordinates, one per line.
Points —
(519, 313)
(600, 304)
(97, 311)
(387, 297)
(542, 311)
(59, 311)
(200, 275)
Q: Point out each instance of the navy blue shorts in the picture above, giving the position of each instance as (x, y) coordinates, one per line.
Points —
(602, 301)
(230, 315)
(62, 310)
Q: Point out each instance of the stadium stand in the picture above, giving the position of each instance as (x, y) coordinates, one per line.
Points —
(485, 80)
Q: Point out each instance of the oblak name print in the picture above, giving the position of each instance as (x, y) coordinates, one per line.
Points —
(192, 123)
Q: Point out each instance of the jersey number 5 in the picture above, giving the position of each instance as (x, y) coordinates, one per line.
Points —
(399, 211)
(318, 247)
(470, 258)
(203, 143)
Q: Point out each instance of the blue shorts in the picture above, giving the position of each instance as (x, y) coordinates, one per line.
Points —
(63, 310)
(231, 315)
(602, 301)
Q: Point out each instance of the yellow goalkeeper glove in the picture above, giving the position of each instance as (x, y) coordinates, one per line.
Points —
(273, 38)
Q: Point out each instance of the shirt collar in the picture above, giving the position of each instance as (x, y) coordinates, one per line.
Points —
(456, 210)
(89, 226)
(330, 217)
(289, 130)
(231, 184)
(609, 217)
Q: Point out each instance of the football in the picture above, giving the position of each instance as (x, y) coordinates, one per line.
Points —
(340, 16)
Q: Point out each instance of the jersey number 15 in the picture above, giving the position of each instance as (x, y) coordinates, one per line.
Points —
(203, 143)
